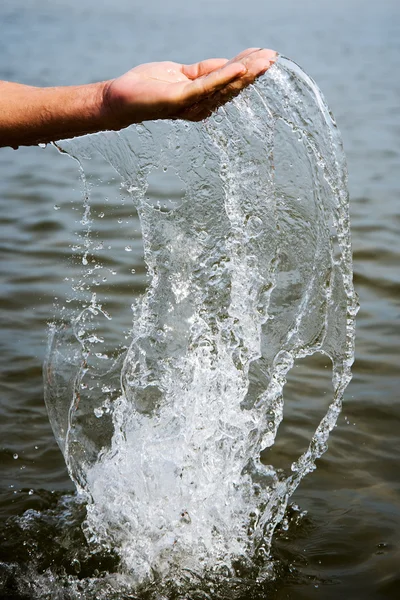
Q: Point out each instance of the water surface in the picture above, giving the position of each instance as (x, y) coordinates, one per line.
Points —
(347, 544)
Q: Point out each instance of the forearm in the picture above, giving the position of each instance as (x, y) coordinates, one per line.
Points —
(31, 115)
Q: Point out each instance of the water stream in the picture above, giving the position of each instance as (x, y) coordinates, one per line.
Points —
(166, 433)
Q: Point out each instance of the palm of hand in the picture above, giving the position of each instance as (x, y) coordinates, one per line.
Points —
(159, 90)
(153, 88)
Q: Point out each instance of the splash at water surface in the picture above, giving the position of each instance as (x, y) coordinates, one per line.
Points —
(249, 271)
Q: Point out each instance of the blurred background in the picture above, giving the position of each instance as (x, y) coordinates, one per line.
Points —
(348, 545)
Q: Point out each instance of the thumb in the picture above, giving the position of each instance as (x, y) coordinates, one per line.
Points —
(214, 81)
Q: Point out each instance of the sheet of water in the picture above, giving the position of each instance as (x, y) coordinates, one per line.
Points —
(249, 271)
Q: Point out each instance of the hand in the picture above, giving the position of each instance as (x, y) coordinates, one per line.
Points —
(168, 90)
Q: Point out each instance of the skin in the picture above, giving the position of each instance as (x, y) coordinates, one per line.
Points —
(161, 90)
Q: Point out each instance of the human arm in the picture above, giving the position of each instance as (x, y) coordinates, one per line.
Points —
(166, 90)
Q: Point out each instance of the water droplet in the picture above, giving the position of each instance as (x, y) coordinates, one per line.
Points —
(101, 215)
(94, 339)
(15, 456)
(31, 492)
(76, 565)
(128, 248)
(56, 207)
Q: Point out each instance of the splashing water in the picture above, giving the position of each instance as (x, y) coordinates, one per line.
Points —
(250, 270)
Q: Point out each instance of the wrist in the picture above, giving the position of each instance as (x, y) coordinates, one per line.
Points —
(111, 108)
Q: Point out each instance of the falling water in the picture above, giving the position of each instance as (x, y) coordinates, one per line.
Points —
(249, 271)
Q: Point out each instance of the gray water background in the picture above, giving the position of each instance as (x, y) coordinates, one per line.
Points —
(349, 544)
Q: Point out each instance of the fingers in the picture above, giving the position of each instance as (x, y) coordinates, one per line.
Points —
(214, 81)
(260, 61)
(209, 92)
(256, 61)
(233, 76)
(244, 54)
(203, 68)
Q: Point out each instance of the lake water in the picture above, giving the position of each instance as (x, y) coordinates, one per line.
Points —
(347, 542)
